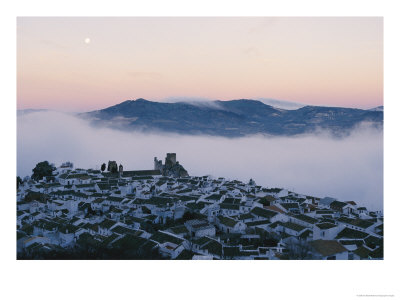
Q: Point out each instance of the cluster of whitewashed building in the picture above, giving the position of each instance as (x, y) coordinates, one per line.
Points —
(228, 219)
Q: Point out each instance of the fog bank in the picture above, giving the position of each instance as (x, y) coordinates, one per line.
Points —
(320, 165)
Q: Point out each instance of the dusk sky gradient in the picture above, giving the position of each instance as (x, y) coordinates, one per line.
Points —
(335, 61)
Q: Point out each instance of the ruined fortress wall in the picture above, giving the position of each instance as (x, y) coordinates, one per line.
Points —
(158, 164)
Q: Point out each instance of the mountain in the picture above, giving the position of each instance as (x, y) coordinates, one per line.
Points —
(204, 101)
(378, 108)
(229, 118)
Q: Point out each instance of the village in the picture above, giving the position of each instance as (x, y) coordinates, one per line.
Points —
(164, 213)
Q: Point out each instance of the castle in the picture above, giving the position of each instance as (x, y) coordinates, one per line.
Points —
(171, 166)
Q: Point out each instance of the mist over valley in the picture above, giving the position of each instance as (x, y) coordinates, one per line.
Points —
(320, 164)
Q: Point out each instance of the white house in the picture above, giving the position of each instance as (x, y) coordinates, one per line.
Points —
(200, 228)
(67, 235)
(325, 231)
(291, 228)
(170, 249)
(304, 220)
(230, 225)
(358, 224)
(326, 202)
(212, 211)
(106, 226)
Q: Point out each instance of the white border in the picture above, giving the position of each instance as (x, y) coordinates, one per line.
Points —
(198, 280)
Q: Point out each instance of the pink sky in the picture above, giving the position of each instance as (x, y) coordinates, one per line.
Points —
(317, 61)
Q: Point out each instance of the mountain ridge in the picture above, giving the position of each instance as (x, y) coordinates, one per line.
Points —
(233, 118)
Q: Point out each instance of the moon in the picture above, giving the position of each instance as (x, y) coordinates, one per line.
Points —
(87, 41)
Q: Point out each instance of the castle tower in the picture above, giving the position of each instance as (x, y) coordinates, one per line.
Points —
(158, 164)
(112, 166)
(170, 160)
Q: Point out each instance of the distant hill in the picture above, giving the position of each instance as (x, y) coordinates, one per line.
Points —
(378, 108)
(233, 118)
(21, 112)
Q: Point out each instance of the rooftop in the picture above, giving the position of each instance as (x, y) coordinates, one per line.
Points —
(327, 247)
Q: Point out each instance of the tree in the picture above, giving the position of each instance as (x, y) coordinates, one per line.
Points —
(90, 212)
(103, 167)
(41, 170)
(298, 249)
(189, 242)
(19, 181)
(40, 197)
(188, 215)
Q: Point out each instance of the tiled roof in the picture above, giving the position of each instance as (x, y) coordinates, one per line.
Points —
(227, 221)
(325, 225)
(293, 226)
(229, 206)
(265, 213)
(140, 173)
(162, 237)
(306, 218)
(106, 223)
(275, 208)
(327, 247)
(257, 223)
(289, 205)
(356, 222)
(362, 252)
(351, 234)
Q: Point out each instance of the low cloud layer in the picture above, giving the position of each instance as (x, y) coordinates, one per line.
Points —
(196, 101)
(320, 165)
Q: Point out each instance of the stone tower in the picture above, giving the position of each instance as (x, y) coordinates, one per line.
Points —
(170, 160)
(112, 166)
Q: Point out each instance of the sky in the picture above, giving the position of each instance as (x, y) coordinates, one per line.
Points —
(88, 63)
